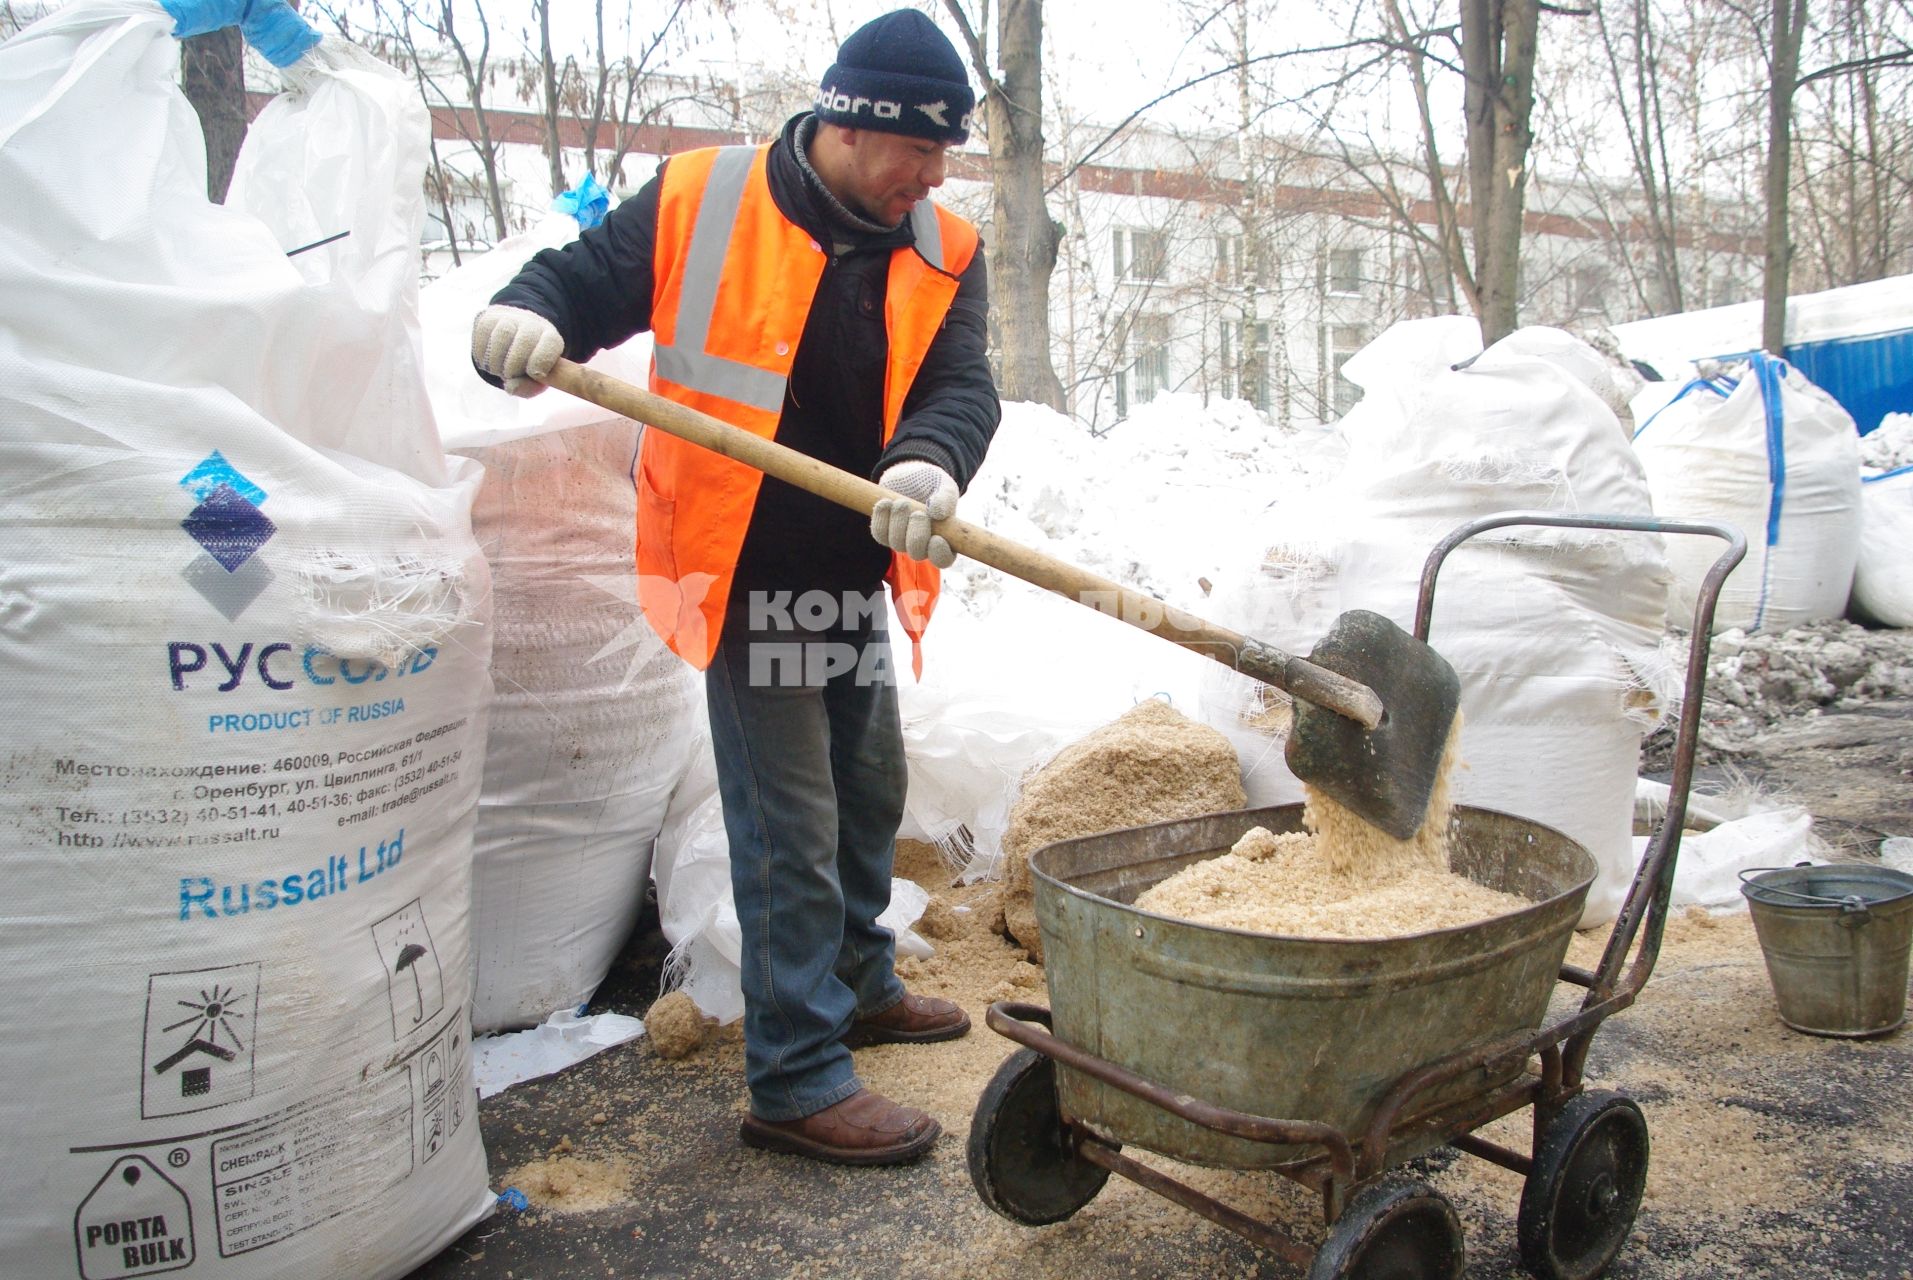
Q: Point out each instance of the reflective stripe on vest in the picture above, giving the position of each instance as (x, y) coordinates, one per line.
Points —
(735, 281)
(685, 361)
(929, 233)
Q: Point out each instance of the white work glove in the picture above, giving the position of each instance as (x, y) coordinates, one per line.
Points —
(516, 346)
(927, 493)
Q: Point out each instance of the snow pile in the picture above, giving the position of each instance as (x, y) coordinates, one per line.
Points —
(1890, 444)
(1014, 673)
(1153, 503)
(1756, 681)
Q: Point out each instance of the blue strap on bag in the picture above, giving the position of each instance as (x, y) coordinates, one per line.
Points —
(269, 26)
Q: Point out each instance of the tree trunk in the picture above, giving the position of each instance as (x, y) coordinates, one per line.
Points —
(213, 75)
(1025, 239)
(548, 73)
(1251, 381)
(1790, 19)
(1497, 56)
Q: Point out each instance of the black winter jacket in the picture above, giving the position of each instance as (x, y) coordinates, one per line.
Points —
(597, 291)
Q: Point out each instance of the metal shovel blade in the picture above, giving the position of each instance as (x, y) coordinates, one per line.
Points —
(1385, 774)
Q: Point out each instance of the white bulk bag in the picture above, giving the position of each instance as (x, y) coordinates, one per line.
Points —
(1776, 457)
(594, 719)
(592, 726)
(243, 632)
(1554, 633)
(1883, 575)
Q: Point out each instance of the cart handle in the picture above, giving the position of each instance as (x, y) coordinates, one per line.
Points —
(1654, 877)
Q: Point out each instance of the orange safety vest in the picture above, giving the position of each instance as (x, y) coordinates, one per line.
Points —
(734, 283)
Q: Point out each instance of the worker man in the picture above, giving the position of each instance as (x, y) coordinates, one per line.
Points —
(809, 291)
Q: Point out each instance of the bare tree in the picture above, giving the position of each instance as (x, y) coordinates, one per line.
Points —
(1497, 60)
(547, 72)
(1853, 150)
(1789, 24)
(620, 96)
(1632, 60)
(1024, 237)
(454, 76)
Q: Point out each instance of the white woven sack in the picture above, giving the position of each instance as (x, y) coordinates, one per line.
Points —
(1776, 457)
(594, 718)
(1883, 576)
(1554, 633)
(473, 414)
(592, 726)
(243, 631)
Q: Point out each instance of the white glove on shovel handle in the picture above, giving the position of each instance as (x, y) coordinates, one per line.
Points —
(517, 346)
(927, 493)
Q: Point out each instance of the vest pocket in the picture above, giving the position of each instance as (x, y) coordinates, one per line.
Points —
(657, 528)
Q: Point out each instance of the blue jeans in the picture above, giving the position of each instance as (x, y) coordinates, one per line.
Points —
(810, 768)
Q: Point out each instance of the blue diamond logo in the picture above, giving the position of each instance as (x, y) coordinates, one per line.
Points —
(215, 471)
(229, 527)
(228, 591)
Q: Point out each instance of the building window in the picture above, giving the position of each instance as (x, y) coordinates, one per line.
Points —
(1140, 255)
(1228, 259)
(1344, 341)
(1149, 337)
(1345, 271)
(1590, 290)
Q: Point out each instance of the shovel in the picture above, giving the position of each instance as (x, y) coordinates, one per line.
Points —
(1373, 704)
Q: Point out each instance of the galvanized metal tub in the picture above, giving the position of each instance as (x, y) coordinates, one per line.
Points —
(1287, 1028)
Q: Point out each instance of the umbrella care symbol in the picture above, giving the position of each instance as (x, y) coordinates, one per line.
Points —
(409, 955)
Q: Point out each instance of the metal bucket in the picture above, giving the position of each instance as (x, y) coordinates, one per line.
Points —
(1288, 1028)
(1835, 939)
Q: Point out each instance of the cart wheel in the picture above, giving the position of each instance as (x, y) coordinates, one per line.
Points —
(1396, 1229)
(1022, 1159)
(1585, 1188)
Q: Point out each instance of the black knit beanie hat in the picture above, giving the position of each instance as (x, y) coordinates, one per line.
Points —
(899, 74)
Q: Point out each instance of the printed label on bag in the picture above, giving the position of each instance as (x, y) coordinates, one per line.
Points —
(135, 1222)
(199, 1040)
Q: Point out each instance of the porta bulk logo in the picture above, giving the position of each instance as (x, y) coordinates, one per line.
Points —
(229, 528)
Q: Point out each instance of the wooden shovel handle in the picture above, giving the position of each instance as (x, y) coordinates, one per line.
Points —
(1298, 676)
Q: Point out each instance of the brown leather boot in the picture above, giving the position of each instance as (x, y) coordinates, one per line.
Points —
(912, 1020)
(865, 1128)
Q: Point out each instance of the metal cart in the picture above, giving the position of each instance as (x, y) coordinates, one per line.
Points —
(1334, 1062)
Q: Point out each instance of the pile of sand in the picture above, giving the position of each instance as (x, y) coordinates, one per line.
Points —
(675, 1025)
(567, 1183)
(1343, 878)
(1150, 765)
(1289, 885)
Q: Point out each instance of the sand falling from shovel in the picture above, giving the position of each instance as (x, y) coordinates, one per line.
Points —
(1341, 878)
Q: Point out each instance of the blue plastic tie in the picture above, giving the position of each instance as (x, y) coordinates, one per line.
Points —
(588, 202)
(269, 26)
(1698, 384)
(514, 1199)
